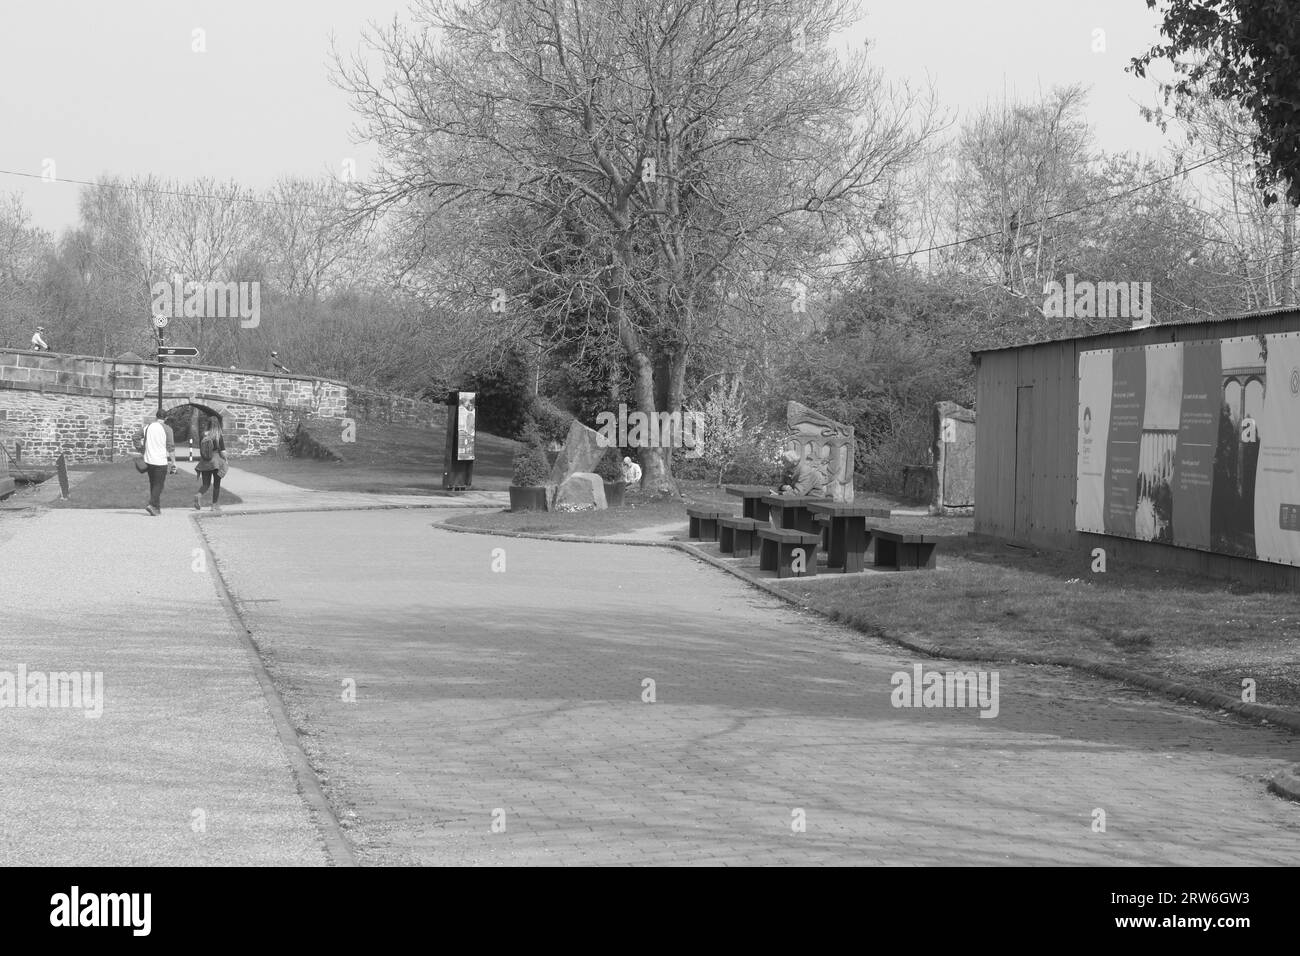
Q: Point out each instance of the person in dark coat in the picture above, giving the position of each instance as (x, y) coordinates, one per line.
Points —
(212, 464)
(803, 478)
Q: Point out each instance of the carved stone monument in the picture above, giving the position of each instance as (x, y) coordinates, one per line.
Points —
(581, 491)
(827, 443)
(954, 460)
(582, 451)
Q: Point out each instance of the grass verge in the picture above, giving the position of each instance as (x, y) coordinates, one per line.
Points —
(994, 601)
(118, 485)
(637, 513)
(387, 459)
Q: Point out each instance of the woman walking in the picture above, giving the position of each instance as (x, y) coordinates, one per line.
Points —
(212, 464)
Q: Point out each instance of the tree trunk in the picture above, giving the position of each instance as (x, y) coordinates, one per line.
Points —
(656, 462)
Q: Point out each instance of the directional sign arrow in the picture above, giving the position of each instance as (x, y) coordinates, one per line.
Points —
(177, 350)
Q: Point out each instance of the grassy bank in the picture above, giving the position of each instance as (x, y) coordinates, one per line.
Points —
(994, 600)
(388, 459)
(119, 485)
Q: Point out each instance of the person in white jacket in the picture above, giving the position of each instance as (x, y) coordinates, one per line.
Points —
(160, 460)
(38, 341)
(631, 471)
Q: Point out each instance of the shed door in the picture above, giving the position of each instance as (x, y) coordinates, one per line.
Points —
(1024, 460)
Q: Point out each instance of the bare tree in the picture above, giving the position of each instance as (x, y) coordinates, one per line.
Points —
(600, 165)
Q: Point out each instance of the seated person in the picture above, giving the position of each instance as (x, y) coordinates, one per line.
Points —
(802, 477)
(631, 471)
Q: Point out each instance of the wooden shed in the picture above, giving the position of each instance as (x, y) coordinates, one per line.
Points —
(1028, 448)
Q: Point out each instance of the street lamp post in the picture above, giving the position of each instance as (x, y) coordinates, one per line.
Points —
(160, 358)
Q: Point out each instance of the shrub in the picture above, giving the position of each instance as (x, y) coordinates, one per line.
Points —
(552, 423)
(610, 466)
(757, 462)
(531, 467)
(691, 469)
(728, 435)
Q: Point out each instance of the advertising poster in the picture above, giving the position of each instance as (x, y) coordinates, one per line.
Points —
(465, 427)
(1202, 445)
(1198, 439)
(1128, 392)
(1094, 425)
(1277, 469)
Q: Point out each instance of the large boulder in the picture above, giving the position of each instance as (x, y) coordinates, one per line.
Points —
(581, 491)
(582, 451)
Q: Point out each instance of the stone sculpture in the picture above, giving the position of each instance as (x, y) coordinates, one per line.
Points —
(581, 491)
(582, 452)
(954, 460)
(825, 442)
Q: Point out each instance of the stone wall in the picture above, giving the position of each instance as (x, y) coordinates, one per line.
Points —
(366, 405)
(82, 426)
(91, 407)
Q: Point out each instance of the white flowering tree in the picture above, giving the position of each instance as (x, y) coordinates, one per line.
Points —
(726, 429)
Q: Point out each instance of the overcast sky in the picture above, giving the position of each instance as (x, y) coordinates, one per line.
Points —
(114, 87)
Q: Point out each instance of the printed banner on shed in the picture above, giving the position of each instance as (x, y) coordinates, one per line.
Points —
(1201, 449)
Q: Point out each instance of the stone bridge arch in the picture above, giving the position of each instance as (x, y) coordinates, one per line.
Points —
(188, 417)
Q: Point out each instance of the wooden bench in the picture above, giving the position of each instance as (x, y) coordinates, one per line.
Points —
(736, 535)
(704, 522)
(902, 551)
(778, 551)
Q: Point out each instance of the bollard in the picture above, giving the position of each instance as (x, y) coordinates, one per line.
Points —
(62, 467)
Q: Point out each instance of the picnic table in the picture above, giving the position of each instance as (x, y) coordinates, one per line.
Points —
(791, 511)
(751, 497)
(849, 534)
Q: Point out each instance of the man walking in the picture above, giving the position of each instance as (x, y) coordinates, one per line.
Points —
(159, 459)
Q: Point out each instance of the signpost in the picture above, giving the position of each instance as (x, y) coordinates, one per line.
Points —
(458, 472)
(160, 323)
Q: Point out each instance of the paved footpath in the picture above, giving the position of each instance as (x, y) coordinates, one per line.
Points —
(515, 697)
(183, 765)
(261, 494)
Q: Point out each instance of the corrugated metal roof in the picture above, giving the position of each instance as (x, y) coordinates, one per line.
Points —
(1235, 317)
